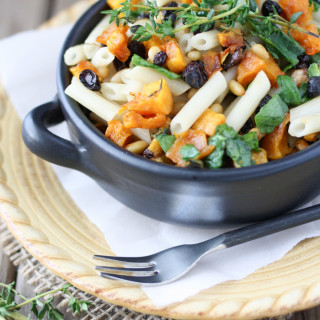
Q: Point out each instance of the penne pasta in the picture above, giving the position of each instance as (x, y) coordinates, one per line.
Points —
(193, 109)
(305, 125)
(90, 49)
(205, 40)
(146, 75)
(309, 108)
(102, 58)
(246, 105)
(229, 75)
(99, 28)
(93, 101)
(74, 55)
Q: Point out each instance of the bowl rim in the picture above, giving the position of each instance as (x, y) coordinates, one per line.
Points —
(78, 118)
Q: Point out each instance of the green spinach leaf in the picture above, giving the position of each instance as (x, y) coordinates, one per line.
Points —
(188, 152)
(271, 114)
(165, 141)
(289, 92)
(138, 61)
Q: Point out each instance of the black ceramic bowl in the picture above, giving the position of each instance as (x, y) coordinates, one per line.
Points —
(193, 197)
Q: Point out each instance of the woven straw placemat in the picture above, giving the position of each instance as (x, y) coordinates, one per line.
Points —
(45, 220)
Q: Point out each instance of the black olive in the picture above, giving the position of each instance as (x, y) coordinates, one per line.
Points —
(313, 87)
(90, 80)
(147, 154)
(303, 61)
(160, 58)
(232, 59)
(263, 102)
(194, 74)
(267, 8)
(247, 126)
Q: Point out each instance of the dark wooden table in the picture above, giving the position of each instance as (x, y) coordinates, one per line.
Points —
(19, 15)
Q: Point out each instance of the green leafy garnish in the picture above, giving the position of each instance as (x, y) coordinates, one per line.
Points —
(202, 16)
(313, 71)
(315, 4)
(165, 140)
(188, 152)
(271, 114)
(138, 61)
(228, 142)
(281, 44)
(215, 159)
(40, 308)
(289, 92)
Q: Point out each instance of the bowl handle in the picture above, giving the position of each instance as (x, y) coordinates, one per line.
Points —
(47, 145)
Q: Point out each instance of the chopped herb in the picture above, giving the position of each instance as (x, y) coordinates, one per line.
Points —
(271, 114)
(313, 71)
(188, 152)
(238, 148)
(138, 61)
(289, 92)
(281, 44)
(165, 141)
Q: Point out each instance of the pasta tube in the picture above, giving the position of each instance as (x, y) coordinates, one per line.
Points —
(147, 75)
(309, 108)
(204, 97)
(231, 74)
(74, 55)
(242, 111)
(93, 101)
(99, 28)
(302, 126)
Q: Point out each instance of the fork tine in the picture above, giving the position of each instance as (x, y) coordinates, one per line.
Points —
(139, 278)
(139, 269)
(130, 261)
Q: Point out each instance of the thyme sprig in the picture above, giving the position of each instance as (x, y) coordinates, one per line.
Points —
(198, 15)
(40, 307)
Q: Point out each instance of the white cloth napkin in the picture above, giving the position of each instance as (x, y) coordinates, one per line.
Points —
(27, 70)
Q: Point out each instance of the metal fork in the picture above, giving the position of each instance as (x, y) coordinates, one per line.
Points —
(170, 264)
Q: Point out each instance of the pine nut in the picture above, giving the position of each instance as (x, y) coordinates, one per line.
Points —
(236, 88)
(217, 108)
(137, 147)
(191, 93)
(194, 55)
(260, 51)
(152, 52)
(259, 134)
(301, 144)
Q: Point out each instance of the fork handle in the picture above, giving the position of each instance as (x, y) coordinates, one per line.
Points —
(270, 226)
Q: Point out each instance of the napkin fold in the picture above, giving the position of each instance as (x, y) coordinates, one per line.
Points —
(28, 71)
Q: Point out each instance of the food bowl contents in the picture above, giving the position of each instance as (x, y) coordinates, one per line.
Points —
(203, 84)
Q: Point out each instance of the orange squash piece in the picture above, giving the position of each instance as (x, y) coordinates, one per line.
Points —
(251, 65)
(290, 7)
(196, 137)
(133, 119)
(208, 122)
(211, 61)
(309, 43)
(115, 4)
(116, 40)
(259, 157)
(155, 41)
(117, 133)
(176, 60)
(276, 142)
(231, 39)
(154, 98)
(84, 65)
